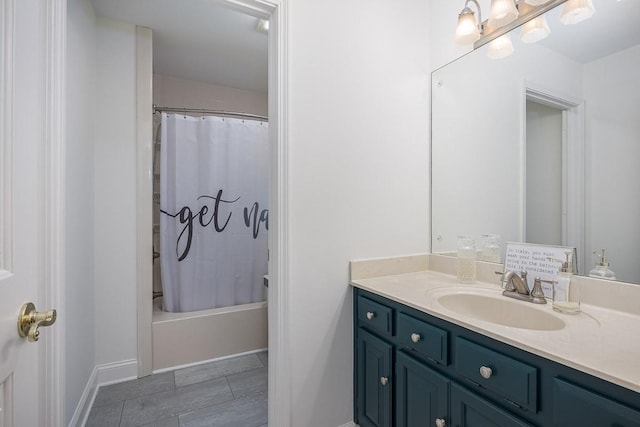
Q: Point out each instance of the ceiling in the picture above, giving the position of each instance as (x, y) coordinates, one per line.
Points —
(612, 28)
(198, 40)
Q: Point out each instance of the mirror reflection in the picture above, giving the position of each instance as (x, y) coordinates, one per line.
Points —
(542, 146)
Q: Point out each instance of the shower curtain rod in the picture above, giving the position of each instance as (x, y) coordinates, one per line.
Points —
(157, 109)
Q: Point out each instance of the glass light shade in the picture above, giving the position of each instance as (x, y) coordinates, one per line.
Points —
(536, 2)
(575, 11)
(467, 30)
(502, 12)
(500, 47)
(535, 30)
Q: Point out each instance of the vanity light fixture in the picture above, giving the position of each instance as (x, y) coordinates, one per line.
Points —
(528, 13)
(468, 30)
(575, 11)
(502, 12)
(500, 47)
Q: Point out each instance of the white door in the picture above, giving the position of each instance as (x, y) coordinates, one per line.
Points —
(22, 194)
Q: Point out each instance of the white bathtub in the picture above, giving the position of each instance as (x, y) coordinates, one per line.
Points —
(186, 338)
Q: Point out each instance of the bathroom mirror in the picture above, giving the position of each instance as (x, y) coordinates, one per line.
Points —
(543, 146)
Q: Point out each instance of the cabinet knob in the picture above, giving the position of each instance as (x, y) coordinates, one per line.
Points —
(440, 422)
(485, 372)
(384, 380)
(415, 337)
(370, 315)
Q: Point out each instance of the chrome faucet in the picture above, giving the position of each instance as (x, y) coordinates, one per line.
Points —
(515, 286)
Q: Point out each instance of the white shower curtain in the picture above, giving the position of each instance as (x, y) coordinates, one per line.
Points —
(213, 211)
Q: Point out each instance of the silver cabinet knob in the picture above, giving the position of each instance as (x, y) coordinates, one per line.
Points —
(415, 337)
(384, 380)
(440, 422)
(370, 315)
(485, 372)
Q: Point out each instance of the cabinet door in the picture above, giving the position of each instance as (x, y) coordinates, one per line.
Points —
(576, 406)
(469, 410)
(374, 380)
(422, 395)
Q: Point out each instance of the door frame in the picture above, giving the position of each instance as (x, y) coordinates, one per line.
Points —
(51, 287)
(276, 11)
(573, 163)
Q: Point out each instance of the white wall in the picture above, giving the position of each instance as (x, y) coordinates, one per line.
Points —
(359, 158)
(115, 192)
(176, 92)
(613, 205)
(79, 203)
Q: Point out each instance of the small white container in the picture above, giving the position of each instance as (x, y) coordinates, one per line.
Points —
(566, 293)
(466, 262)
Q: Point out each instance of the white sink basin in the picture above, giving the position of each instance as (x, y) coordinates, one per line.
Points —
(490, 305)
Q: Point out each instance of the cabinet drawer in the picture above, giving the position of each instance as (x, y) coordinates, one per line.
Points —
(576, 406)
(426, 339)
(375, 316)
(513, 380)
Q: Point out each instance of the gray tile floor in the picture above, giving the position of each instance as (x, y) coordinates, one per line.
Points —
(230, 393)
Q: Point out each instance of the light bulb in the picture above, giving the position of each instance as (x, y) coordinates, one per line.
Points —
(535, 30)
(467, 29)
(575, 11)
(502, 12)
(500, 47)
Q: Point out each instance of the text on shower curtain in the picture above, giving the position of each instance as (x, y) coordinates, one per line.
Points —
(218, 212)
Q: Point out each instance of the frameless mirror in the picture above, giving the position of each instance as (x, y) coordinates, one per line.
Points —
(542, 146)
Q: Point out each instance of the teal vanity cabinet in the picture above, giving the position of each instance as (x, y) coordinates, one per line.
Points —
(413, 369)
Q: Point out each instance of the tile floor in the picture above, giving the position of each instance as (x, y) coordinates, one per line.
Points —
(230, 393)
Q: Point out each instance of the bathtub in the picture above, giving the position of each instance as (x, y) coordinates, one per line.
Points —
(187, 338)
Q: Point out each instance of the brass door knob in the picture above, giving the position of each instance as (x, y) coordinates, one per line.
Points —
(29, 320)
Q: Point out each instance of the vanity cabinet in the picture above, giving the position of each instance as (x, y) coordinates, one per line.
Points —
(413, 369)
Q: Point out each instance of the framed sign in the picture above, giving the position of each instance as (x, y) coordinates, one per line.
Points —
(541, 261)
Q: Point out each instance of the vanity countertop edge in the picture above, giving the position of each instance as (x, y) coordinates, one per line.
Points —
(601, 341)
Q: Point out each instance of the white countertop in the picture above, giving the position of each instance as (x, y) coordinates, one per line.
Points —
(600, 341)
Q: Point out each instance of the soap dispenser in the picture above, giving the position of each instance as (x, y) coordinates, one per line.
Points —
(566, 292)
(602, 270)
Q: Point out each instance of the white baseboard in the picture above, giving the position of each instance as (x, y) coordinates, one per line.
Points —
(109, 373)
(81, 413)
(349, 424)
(117, 372)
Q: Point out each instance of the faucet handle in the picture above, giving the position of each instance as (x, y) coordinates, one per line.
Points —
(537, 294)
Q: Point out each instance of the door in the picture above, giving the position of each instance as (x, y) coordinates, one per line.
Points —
(374, 381)
(23, 89)
(422, 395)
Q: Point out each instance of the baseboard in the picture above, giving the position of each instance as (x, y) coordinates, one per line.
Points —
(349, 424)
(81, 413)
(109, 373)
(117, 372)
